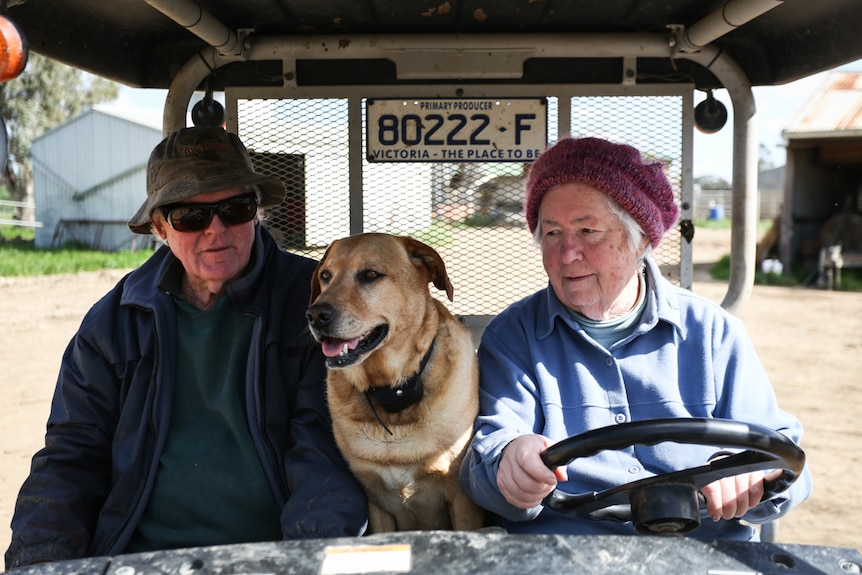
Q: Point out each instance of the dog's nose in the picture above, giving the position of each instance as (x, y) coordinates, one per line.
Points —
(320, 315)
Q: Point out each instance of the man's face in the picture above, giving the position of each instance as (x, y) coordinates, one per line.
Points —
(586, 252)
(215, 255)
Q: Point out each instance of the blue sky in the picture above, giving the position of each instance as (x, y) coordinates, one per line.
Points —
(776, 107)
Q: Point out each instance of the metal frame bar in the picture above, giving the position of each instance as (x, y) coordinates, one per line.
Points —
(502, 56)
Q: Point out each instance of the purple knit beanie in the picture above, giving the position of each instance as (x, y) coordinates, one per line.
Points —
(615, 169)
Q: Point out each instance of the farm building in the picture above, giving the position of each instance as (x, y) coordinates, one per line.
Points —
(89, 177)
(823, 178)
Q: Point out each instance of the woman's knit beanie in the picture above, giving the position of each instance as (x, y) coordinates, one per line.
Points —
(642, 189)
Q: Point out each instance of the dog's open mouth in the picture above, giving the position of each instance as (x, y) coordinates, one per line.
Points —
(346, 352)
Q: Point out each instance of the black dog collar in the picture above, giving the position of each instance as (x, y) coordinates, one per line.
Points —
(400, 397)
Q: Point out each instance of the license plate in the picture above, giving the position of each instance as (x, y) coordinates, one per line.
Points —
(456, 130)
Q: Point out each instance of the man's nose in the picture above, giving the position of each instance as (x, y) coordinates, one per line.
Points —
(216, 225)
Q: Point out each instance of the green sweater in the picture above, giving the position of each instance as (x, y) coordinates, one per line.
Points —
(210, 487)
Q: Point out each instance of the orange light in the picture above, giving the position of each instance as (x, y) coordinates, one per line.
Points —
(13, 50)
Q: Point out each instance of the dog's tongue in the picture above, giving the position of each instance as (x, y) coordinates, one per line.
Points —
(334, 347)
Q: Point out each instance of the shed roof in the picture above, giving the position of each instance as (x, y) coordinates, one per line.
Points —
(141, 117)
(833, 112)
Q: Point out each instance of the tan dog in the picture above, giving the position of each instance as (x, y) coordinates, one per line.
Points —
(403, 379)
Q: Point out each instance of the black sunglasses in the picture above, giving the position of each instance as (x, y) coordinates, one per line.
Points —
(196, 217)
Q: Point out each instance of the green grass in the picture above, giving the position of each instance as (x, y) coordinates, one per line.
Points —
(720, 270)
(19, 256)
(851, 279)
(436, 236)
(480, 221)
(722, 224)
(16, 234)
(726, 224)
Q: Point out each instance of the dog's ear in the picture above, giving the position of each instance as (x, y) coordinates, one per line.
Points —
(432, 262)
(315, 279)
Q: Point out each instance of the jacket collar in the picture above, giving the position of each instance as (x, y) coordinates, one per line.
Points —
(662, 305)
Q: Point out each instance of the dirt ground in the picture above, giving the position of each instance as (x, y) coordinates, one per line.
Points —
(809, 340)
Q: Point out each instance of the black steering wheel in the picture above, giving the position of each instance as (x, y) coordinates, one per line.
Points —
(670, 502)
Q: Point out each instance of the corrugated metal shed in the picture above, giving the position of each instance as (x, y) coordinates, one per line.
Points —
(833, 112)
(823, 181)
(89, 177)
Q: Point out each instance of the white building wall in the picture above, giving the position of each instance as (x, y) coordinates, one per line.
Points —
(90, 178)
(320, 135)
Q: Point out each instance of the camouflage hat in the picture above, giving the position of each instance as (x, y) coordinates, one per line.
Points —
(195, 161)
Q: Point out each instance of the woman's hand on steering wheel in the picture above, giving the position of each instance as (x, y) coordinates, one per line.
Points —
(522, 477)
(733, 496)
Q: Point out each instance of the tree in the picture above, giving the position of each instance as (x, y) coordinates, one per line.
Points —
(45, 95)
(764, 158)
(712, 183)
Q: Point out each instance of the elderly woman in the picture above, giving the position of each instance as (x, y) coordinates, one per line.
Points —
(611, 341)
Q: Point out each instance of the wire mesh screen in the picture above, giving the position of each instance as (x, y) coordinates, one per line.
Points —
(470, 212)
(305, 143)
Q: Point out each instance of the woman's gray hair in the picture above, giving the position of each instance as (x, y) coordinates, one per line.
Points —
(633, 229)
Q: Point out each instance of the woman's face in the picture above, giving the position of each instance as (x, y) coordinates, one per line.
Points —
(586, 252)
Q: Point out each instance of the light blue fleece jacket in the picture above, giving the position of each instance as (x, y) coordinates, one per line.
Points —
(687, 357)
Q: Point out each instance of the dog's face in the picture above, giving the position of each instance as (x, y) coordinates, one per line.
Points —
(368, 290)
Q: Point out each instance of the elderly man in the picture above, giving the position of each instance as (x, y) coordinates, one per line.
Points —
(189, 408)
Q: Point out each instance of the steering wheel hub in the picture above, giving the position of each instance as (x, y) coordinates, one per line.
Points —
(665, 509)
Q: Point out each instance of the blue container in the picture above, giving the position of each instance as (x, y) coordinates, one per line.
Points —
(716, 212)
